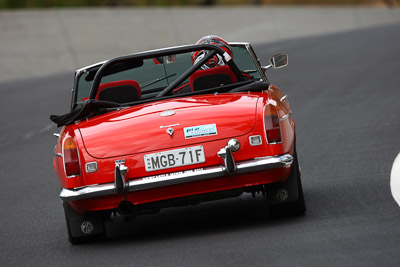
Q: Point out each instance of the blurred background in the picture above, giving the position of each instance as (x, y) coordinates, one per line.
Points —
(93, 3)
(343, 86)
(44, 37)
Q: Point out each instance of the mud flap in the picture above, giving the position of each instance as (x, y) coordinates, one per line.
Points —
(288, 191)
(79, 225)
(286, 199)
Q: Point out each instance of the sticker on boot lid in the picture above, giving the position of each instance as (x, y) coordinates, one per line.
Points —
(200, 131)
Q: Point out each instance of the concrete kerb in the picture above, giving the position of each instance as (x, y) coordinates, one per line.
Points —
(44, 42)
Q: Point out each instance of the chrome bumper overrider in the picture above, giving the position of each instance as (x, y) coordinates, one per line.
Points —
(257, 164)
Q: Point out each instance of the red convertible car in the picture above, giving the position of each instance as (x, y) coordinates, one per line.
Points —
(171, 127)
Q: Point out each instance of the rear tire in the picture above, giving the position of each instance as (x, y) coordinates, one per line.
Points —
(292, 208)
(84, 228)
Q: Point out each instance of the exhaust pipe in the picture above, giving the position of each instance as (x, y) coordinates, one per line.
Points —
(127, 209)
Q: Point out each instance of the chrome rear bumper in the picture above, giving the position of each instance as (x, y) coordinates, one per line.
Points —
(149, 182)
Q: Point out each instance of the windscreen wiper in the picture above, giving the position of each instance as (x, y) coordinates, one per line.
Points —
(145, 84)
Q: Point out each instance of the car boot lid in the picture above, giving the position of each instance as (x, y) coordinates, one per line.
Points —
(169, 124)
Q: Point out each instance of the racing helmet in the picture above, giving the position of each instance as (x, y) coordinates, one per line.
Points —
(215, 60)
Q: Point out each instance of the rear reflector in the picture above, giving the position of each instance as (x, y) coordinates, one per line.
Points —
(71, 158)
(91, 167)
(255, 140)
(271, 124)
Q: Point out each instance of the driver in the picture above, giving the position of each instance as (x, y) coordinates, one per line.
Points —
(217, 60)
(213, 62)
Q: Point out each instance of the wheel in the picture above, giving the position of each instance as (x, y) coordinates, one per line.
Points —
(287, 199)
(84, 228)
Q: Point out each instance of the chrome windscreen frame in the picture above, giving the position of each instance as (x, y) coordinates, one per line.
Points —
(256, 60)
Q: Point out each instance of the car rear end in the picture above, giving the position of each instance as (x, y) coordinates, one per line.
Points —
(141, 162)
(173, 152)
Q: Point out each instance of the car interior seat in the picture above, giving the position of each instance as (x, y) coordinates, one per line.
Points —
(213, 77)
(124, 91)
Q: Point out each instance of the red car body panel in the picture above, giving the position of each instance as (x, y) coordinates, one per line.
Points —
(141, 128)
(126, 134)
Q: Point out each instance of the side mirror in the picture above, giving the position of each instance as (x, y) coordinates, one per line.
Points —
(279, 61)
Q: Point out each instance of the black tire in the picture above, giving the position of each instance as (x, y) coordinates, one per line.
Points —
(74, 219)
(293, 208)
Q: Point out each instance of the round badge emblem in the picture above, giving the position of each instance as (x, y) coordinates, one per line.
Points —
(282, 194)
(87, 227)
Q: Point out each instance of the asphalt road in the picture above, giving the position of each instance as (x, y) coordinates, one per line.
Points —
(344, 92)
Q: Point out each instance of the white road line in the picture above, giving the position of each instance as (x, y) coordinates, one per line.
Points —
(395, 179)
(46, 128)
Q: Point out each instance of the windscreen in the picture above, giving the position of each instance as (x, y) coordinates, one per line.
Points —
(155, 74)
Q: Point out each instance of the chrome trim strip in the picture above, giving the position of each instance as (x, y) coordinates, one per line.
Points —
(257, 63)
(283, 98)
(88, 192)
(284, 117)
(257, 164)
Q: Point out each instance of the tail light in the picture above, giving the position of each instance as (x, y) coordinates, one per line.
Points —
(71, 158)
(271, 125)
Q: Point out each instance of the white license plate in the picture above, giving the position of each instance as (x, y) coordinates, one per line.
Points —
(174, 158)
